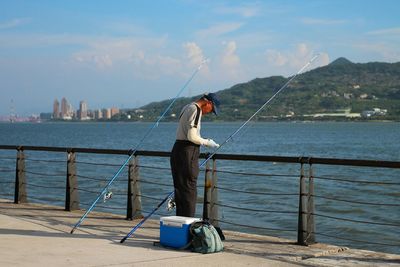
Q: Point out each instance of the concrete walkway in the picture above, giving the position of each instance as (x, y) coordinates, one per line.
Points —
(38, 235)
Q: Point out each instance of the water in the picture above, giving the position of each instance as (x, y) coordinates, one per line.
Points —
(375, 140)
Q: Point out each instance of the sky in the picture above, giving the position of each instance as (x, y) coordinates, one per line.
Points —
(129, 53)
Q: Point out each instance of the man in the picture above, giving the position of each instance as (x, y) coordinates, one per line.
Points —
(186, 150)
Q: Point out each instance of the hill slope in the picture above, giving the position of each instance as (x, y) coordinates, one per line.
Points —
(339, 85)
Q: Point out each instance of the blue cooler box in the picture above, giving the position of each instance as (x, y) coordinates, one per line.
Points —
(174, 230)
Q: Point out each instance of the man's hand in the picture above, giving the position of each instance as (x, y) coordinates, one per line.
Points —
(211, 143)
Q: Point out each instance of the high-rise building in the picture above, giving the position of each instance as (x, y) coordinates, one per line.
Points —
(98, 114)
(71, 112)
(114, 111)
(107, 113)
(82, 113)
(56, 109)
(66, 109)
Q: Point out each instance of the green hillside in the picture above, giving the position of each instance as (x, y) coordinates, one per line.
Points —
(341, 85)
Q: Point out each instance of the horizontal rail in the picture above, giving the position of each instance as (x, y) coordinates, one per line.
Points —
(257, 227)
(256, 193)
(355, 181)
(356, 202)
(256, 210)
(282, 159)
(355, 221)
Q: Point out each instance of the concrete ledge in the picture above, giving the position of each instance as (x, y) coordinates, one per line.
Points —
(37, 235)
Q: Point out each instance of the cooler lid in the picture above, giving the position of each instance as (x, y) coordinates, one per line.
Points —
(178, 220)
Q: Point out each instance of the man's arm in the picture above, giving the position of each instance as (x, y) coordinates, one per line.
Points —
(194, 137)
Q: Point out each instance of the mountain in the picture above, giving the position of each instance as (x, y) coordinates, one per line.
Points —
(356, 87)
(341, 61)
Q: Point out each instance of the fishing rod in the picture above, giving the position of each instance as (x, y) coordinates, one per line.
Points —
(226, 141)
(133, 151)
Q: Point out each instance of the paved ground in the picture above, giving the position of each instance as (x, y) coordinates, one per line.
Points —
(38, 235)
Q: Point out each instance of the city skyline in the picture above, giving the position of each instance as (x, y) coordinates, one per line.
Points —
(66, 111)
(131, 53)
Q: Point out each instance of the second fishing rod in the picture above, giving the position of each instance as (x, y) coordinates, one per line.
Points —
(223, 143)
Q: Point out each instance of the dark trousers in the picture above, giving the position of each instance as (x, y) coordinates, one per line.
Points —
(185, 169)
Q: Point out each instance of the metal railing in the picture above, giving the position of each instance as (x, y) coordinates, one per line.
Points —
(263, 194)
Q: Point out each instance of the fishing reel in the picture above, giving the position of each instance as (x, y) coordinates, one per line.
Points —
(171, 204)
(107, 196)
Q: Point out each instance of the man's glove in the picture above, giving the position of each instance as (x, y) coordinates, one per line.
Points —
(211, 143)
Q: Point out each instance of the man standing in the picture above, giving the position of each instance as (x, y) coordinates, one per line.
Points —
(185, 153)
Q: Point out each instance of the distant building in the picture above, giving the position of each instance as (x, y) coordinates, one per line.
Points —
(67, 112)
(56, 109)
(114, 111)
(46, 116)
(346, 113)
(90, 114)
(83, 111)
(290, 114)
(64, 107)
(98, 114)
(374, 112)
(348, 95)
(107, 113)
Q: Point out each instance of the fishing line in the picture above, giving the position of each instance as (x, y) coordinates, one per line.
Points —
(226, 141)
(133, 151)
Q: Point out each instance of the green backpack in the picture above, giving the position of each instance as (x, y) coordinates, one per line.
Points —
(205, 239)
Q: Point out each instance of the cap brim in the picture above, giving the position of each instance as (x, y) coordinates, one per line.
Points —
(215, 109)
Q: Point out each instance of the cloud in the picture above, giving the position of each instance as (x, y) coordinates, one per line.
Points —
(323, 60)
(291, 61)
(36, 40)
(14, 23)
(143, 56)
(314, 21)
(229, 57)
(218, 30)
(388, 31)
(103, 53)
(228, 66)
(103, 61)
(276, 58)
(243, 11)
(144, 61)
(124, 26)
(193, 53)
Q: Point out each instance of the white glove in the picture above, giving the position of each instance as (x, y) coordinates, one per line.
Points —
(211, 143)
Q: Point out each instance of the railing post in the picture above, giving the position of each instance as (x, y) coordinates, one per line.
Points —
(20, 195)
(71, 189)
(207, 192)
(214, 210)
(310, 209)
(134, 200)
(302, 219)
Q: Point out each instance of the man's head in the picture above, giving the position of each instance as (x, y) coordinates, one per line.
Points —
(212, 99)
